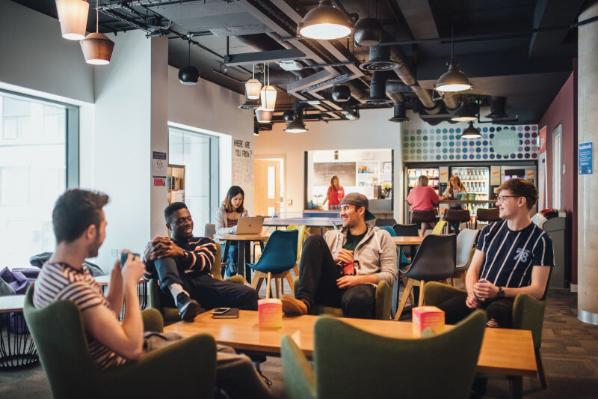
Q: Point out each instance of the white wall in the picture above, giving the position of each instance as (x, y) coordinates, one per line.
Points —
(372, 130)
(34, 55)
(213, 109)
(130, 122)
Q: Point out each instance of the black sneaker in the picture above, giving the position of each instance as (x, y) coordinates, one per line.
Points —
(188, 308)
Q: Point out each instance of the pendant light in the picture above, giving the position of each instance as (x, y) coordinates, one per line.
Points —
(471, 132)
(268, 93)
(253, 87)
(72, 15)
(263, 116)
(325, 22)
(188, 75)
(453, 80)
(97, 48)
(468, 112)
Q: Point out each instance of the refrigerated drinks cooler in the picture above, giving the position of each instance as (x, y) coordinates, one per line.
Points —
(476, 180)
(414, 173)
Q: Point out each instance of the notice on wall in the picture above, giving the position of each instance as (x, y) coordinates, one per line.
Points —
(159, 168)
(584, 157)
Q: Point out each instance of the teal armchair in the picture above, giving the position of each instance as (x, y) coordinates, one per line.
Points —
(383, 303)
(184, 369)
(351, 363)
(528, 314)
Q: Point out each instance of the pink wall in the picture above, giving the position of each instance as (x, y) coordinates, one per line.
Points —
(563, 110)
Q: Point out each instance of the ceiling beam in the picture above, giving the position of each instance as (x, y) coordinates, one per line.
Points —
(263, 56)
(419, 17)
(499, 64)
(552, 13)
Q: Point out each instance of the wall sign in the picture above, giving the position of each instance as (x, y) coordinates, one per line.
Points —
(585, 158)
(159, 168)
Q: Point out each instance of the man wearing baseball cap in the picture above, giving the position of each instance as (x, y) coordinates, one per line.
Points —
(341, 269)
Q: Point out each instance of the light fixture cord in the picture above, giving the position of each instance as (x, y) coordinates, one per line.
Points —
(452, 44)
(189, 51)
(97, 16)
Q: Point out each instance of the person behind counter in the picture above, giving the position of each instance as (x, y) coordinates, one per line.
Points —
(453, 192)
(226, 223)
(423, 199)
(335, 193)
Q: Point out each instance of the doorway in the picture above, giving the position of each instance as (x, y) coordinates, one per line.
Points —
(269, 186)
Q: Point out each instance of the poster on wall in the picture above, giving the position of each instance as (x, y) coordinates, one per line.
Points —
(159, 168)
(585, 158)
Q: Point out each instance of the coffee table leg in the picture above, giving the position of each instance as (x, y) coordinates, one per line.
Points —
(516, 386)
(17, 349)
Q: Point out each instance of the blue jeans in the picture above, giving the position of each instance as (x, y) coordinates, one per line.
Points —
(230, 258)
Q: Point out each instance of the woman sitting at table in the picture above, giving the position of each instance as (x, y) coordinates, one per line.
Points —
(335, 193)
(423, 200)
(226, 223)
(454, 191)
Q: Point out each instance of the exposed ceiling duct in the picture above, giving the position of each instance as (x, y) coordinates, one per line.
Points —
(378, 60)
(498, 107)
(378, 89)
(393, 91)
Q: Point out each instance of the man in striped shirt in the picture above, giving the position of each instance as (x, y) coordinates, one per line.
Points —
(183, 263)
(80, 229)
(512, 257)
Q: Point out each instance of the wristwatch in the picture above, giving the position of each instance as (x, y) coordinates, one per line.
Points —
(501, 293)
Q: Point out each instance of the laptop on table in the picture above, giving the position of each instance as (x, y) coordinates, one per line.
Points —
(250, 225)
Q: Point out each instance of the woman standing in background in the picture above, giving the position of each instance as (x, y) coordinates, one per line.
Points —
(423, 200)
(335, 193)
(226, 223)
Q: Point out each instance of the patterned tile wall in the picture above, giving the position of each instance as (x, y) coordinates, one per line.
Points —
(427, 143)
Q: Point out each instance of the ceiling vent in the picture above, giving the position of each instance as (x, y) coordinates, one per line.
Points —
(379, 60)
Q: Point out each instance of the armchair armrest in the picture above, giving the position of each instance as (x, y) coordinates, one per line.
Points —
(298, 375)
(152, 320)
(528, 314)
(184, 369)
(383, 300)
(436, 293)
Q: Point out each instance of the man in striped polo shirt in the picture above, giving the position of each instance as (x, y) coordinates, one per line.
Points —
(512, 257)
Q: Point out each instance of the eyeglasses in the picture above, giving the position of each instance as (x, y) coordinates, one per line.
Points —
(501, 198)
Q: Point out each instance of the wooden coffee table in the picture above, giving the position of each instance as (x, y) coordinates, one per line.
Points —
(503, 352)
(407, 241)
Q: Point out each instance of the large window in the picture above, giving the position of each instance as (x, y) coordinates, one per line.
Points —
(33, 173)
(198, 153)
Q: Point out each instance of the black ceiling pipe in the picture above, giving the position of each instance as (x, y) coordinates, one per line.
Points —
(378, 89)
(378, 60)
(400, 113)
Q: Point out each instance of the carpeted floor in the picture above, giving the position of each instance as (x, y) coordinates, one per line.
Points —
(569, 352)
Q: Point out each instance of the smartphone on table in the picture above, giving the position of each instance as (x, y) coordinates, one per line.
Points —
(225, 313)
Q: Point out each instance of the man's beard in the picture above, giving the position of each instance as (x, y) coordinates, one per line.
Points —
(94, 247)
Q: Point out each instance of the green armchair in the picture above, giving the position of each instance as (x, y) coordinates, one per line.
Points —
(184, 369)
(164, 302)
(382, 308)
(528, 314)
(351, 363)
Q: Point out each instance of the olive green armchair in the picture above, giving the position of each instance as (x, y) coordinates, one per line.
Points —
(383, 303)
(184, 369)
(350, 363)
(157, 299)
(528, 314)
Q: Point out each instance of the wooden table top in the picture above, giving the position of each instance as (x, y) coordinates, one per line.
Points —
(12, 303)
(503, 351)
(407, 240)
(242, 237)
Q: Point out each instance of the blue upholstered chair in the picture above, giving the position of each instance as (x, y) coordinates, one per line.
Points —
(278, 258)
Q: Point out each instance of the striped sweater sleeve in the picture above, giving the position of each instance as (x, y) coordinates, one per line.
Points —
(202, 255)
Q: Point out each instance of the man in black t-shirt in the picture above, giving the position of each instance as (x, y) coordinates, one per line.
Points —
(512, 257)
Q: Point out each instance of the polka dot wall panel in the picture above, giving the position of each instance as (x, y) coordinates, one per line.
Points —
(443, 143)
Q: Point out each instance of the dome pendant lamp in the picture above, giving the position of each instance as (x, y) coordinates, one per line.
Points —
(471, 133)
(97, 48)
(72, 15)
(268, 93)
(453, 80)
(253, 87)
(188, 75)
(325, 22)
